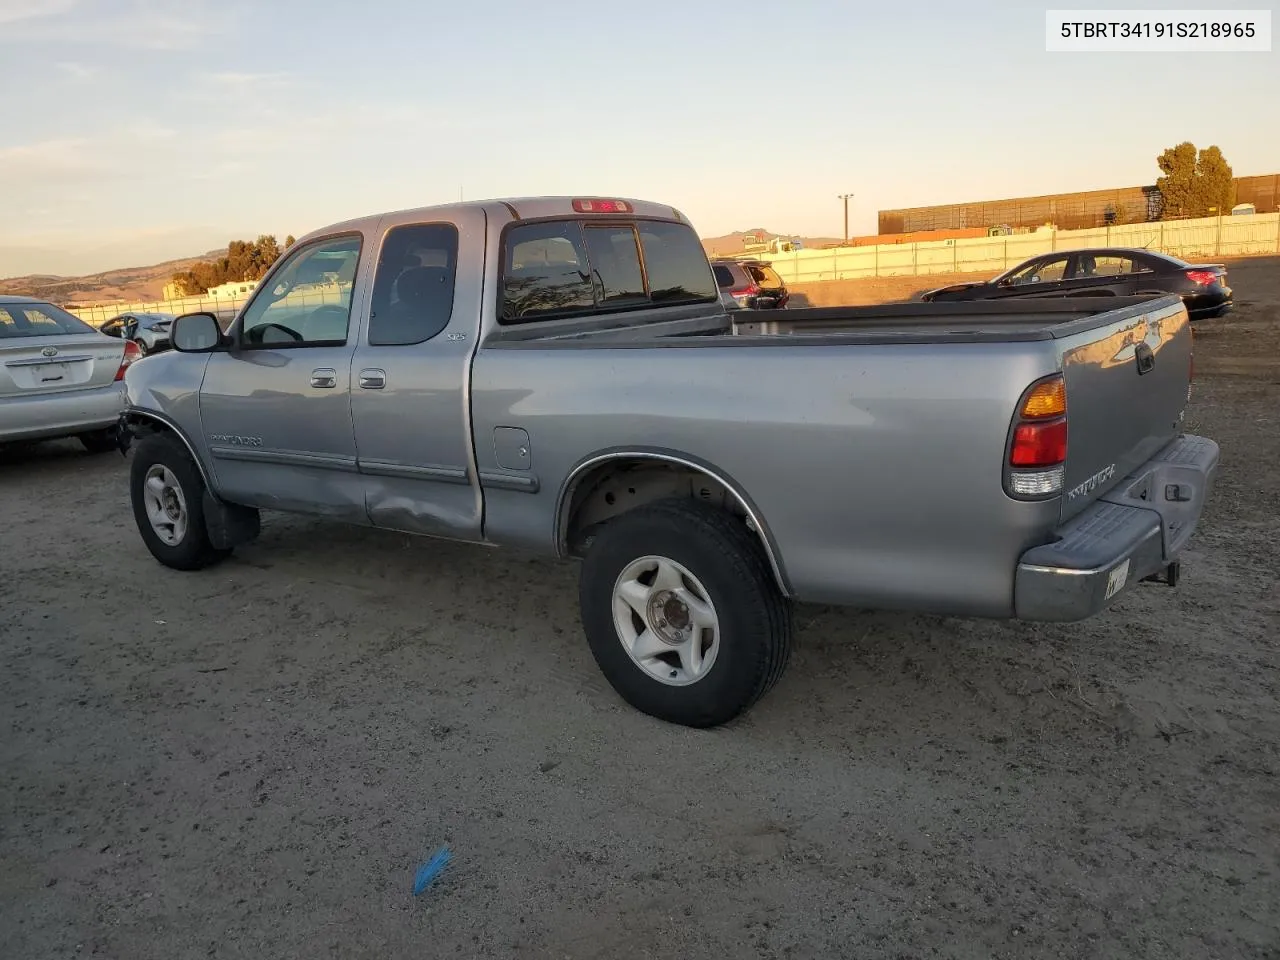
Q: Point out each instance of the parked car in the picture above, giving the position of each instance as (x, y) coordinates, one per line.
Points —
(59, 377)
(751, 284)
(1111, 271)
(150, 331)
(558, 375)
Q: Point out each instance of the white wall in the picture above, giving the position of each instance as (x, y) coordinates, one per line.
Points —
(1210, 237)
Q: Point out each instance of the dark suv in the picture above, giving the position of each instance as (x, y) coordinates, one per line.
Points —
(753, 284)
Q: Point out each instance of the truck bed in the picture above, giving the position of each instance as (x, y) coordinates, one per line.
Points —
(976, 322)
(870, 440)
(1016, 321)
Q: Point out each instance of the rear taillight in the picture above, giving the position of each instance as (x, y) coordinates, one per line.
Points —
(751, 290)
(131, 353)
(1202, 277)
(1039, 444)
(1038, 441)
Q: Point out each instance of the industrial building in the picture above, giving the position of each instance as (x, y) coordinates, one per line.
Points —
(1066, 211)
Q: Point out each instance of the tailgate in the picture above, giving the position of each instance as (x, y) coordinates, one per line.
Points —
(1127, 382)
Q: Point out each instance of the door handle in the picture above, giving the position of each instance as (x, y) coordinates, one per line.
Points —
(373, 379)
(324, 377)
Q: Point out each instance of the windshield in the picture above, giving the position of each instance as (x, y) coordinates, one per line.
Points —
(38, 320)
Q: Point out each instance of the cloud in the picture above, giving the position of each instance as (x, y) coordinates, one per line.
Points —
(235, 94)
(233, 79)
(13, 11)
(47, 157)
(43, 170)
(145, 24)
(77, 71)
(146, 131)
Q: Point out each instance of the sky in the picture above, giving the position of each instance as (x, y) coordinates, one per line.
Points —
(134, 131)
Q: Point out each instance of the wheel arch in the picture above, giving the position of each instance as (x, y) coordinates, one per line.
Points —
(158, 423)
(592, 472)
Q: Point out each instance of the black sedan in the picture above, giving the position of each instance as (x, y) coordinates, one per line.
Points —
(1107, 272)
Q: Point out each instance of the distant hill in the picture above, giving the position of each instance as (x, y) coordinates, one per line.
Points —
(129, 284)
(733, 243)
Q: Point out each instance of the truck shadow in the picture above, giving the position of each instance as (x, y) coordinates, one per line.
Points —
(868, 673)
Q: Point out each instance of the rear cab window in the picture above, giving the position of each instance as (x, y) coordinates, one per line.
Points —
(38, 320)
(567, 268)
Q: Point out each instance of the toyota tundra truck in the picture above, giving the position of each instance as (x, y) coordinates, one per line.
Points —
(559, 375)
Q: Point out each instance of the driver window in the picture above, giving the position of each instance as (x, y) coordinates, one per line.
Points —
(308, 302)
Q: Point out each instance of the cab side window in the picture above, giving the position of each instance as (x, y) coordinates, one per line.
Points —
(308, 300)
(1040, 271)
(1104, 266)
(413, 287)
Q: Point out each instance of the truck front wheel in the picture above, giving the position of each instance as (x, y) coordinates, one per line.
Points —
(682, 613)
(167, 493)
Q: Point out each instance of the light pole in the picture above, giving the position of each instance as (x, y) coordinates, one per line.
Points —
(846, 197)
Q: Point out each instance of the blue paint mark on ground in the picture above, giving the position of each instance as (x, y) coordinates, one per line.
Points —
(431, 869)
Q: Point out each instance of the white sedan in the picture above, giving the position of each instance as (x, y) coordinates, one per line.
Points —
(59, 377)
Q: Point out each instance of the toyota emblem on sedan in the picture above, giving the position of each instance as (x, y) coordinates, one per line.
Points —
(50, 351)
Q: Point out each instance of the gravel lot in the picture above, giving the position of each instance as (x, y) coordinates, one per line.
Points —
(252, 761)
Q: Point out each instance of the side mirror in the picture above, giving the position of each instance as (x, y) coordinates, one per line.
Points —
(196, 333)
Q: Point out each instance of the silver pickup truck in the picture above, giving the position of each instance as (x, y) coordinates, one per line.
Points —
(559, 374)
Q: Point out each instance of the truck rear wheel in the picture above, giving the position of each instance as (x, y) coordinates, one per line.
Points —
(682, 612)
(168, 504)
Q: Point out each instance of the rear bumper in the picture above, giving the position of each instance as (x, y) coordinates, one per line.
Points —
(46, 416)
(1210, 301)
(1134, 532)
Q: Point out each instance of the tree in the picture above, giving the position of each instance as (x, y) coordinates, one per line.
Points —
(289, 241)
(1195, 183)
(244, 260)
(1217, 181)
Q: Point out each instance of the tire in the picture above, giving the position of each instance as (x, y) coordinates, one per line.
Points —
(722, 563)
(162, 457)
(142, 347)
(100, 441)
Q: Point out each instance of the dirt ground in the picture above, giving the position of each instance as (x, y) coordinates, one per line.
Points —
(252, 761)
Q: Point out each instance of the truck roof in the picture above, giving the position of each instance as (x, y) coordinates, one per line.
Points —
(520, 208)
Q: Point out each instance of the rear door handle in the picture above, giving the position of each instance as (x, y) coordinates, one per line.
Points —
(373, 379)
(324, 377)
